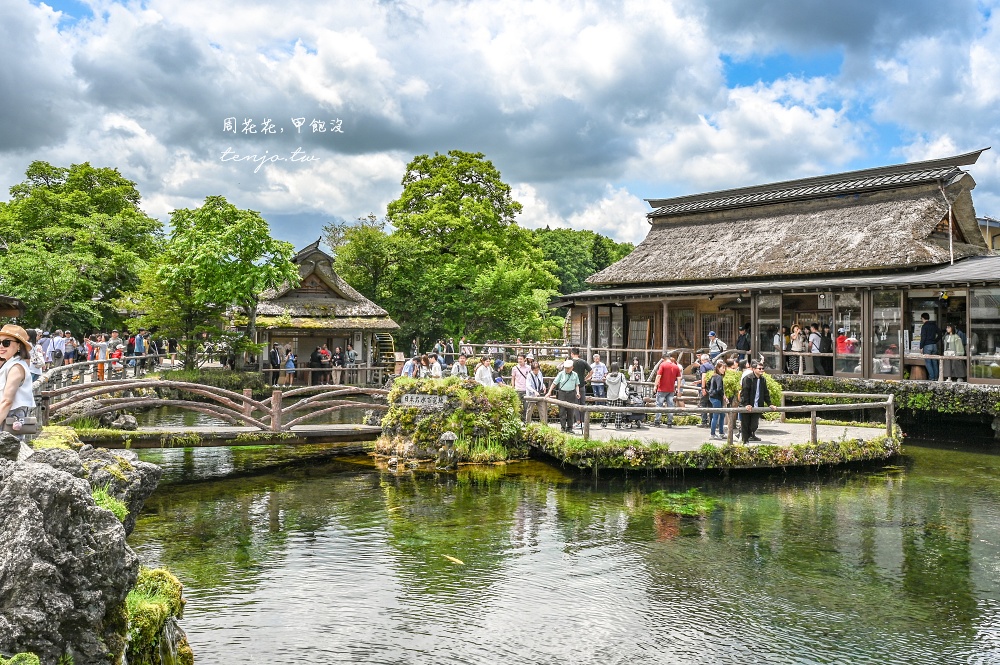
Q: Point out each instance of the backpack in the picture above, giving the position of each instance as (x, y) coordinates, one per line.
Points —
(743, 342)
(825, 344)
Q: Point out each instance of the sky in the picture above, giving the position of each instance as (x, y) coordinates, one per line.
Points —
(309, 112)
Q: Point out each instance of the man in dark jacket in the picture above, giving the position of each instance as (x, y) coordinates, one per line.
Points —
(929, 333)
(753, 394)
(274, 358)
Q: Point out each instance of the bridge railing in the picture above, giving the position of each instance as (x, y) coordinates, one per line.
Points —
(233, 407)
(540, 405)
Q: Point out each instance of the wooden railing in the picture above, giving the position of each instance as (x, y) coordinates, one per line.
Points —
(233, 407)
(885, 402)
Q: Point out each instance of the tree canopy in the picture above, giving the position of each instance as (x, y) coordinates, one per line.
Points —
(577, 255)
(454, 262)
(74, 239)
(216, 257)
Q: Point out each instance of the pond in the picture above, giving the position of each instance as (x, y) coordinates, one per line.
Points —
(339, 562)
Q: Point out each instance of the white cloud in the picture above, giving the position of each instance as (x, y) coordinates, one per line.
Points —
(764, 133)
(618, 213)
(569, 99)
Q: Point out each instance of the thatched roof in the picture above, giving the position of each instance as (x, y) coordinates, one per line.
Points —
(903, 222)
(308, 323)
(321, 293)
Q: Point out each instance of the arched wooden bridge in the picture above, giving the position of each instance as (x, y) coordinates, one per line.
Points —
(273, 414)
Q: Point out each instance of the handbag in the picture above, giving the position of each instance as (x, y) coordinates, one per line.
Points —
(28, 426)
(949, 352)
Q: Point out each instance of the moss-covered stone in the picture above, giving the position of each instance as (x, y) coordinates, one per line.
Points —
(486, 420)
(57, 436)
(156, 598)
(20, 659)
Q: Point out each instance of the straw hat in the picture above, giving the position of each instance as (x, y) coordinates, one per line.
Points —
(17, 333)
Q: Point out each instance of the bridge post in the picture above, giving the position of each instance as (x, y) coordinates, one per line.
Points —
(247, 407)
(276, 410)
(890, 416)
(43, 410)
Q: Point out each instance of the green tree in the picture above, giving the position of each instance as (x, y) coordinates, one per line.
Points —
(578, 254)
(74, 240)
(217, 256)
(455, 229)
(364, 254)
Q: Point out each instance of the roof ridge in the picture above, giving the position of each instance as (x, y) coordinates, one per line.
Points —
(952, 162)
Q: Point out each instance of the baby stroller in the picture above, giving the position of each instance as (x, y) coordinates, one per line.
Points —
(634, 420)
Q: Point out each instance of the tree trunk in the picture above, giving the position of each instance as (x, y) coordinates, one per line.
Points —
(251, 310)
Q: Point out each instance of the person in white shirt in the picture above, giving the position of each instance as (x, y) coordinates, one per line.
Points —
(435, 367)
(484, 373)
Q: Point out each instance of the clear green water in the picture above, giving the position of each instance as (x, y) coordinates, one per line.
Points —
(337, 562)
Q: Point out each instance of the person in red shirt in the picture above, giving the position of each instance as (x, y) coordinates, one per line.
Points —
(667, 381)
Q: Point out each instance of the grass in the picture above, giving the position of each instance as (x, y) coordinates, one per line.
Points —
(104, 499)
(87, 423)
(687, 504)
(482, 450)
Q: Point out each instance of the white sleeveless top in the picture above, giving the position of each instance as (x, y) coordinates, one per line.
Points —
(23, 396)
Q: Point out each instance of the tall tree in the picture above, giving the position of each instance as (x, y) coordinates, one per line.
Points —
(578, 254)
(455, 225)
(81, 226)
(364, 254)
(217, 256)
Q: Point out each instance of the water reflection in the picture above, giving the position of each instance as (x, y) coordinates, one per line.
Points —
(338, 562)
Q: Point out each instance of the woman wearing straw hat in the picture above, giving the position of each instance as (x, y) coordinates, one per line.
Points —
(15, 381)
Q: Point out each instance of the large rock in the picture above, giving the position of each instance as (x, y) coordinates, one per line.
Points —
(10, 446)
(125, 477)
(65, 568)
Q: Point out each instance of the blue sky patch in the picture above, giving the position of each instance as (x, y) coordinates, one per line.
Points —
(767, 69)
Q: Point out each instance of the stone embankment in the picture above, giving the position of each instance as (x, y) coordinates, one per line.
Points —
(65, 568)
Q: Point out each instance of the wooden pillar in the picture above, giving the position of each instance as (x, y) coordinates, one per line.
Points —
(666, 320)
(247, 407)
(813, 435)
(890, 416)
(275, 410)
(591, 322)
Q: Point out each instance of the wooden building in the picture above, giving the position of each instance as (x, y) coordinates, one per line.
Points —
(10, 308)
(324, 309)
(865, 251)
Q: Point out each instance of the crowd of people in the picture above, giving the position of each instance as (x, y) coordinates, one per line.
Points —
(327, 367)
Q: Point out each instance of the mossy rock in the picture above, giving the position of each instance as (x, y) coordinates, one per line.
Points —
(486, 421)
(156, 598)
(20, 659)
(57, 436)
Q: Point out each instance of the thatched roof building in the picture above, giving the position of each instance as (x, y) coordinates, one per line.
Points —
(875, 219)
(865, 251)
(322, 309)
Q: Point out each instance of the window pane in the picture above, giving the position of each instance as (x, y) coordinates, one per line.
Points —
(682, 329)
(768, 328)
(984, 336)
(848, 341)
(887, 333)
